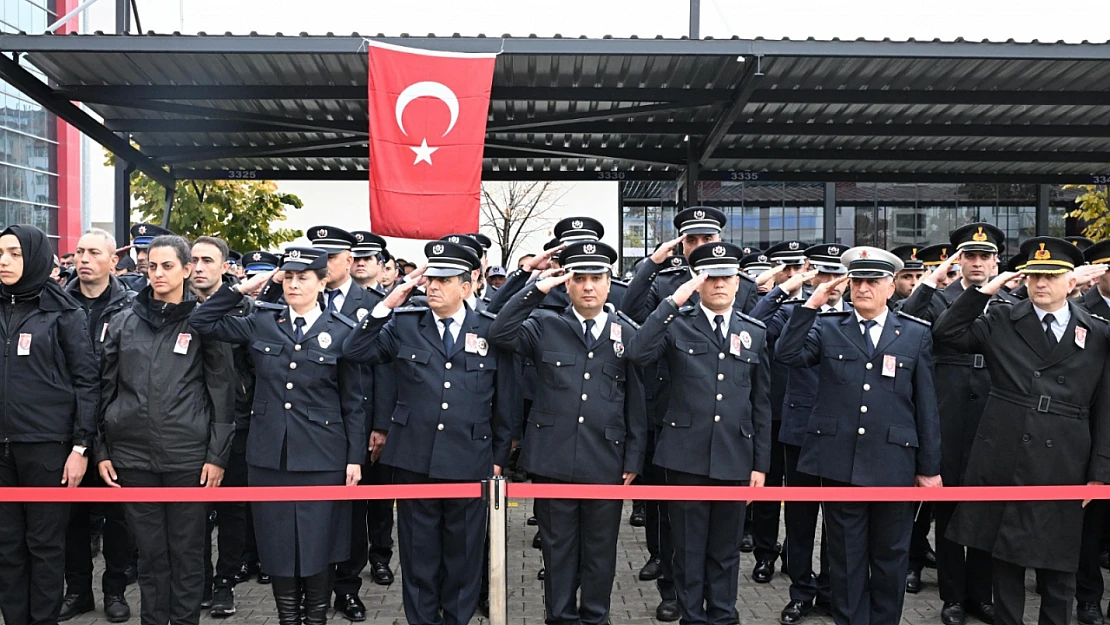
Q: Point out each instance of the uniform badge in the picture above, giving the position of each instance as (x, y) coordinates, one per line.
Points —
(471, 343)
(615, 332)
(483, 347)
(362, 312)
(182, 345)
(735, 344)
(324, 339)
(746, 339)
(618, 349)
(1081, 338)
(890, 365)
(24, 347)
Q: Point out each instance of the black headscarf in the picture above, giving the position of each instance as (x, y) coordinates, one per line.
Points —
(38, 263)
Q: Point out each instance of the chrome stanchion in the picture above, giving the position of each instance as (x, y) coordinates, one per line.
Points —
(495, 493)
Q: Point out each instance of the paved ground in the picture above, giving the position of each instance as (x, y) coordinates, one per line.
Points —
(633, 601)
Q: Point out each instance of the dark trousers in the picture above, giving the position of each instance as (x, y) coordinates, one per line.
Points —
(1088, 579)
(439, 542)
(1056, 589)
(964, 573)
(115, 544)
(657, 524)
(33, 535)
(801, 533)
(765, 514)
(579, 552)
(371, 532)
(170, 538)
(919, 536)
(250, 545)
(231, 517)
(868, 546)
(706, 538)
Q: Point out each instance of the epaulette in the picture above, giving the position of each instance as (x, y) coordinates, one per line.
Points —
(912, 318)
(675, 269)
(345, 320)
(744, 276)
(751, 319)
(834, 313)
(487, 314)
(795, 301)
(621, 282)
(999, 300)
(687, 309)
(1102, 319)
(410, 309)
(620, 314)
(268, 305)
(377, 291)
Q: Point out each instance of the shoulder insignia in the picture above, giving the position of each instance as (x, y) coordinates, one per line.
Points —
(620, 315)
(487, 314)
(998, 300)
(620, 282)
(345, 320)
(912, 318)
(836, 313)
(687, 309)
(1102, 319)
(796, 301)
(672, 269)
(268, 306)
(744, 276)
(752, 320)
(410, 309)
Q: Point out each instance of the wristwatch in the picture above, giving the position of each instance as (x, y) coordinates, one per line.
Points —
(80, 450)
(670, 300)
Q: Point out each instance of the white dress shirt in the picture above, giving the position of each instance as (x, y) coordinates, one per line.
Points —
(877, 329)
(1061, 319)
(310, 318)
(599, 322)
(341, 296)
(711, 316)
(457, 320)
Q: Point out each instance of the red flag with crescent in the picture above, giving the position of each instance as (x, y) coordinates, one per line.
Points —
(428, 114)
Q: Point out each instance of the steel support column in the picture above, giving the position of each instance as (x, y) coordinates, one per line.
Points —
(1043, 195)
(122, 212)
(169, 205)
(123, 17)
(828, 221)
(695, 19)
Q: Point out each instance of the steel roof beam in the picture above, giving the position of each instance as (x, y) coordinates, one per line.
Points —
(924, 97)
(222, 126)
(731, 112)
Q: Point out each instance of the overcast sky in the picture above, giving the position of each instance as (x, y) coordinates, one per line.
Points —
(998, 20)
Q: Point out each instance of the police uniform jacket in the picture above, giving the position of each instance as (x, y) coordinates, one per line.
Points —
(1093, 302)
(867, 429)
(307, 398)
(1044, 423)
(453, 414)
(963, 381)
(718, 419)
(377, 381)
(588, 422)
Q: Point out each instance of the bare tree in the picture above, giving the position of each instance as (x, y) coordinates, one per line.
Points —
(516, 210)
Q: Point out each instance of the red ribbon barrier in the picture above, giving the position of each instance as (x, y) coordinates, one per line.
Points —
(473, 490)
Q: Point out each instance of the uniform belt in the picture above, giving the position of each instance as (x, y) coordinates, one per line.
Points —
(975, 361)
(1042, 403)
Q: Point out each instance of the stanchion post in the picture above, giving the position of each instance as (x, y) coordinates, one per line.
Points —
(497, 500)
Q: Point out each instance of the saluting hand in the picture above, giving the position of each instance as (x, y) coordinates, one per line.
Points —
(354, 474)
(211, 475)
(256, 282)
(74, 470)
(999, 281)
(400, 293)
(108, 473)
(769, 275)
(660, 255)
(684, 292)
(541, 262)
(820, 295)
(796, 281)
(1085, 275)
(553, 281)
(942, 269)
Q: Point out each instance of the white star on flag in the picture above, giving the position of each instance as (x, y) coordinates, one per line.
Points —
(423, 152)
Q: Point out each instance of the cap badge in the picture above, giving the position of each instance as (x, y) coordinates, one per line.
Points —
(944, 253)
(256, 256)
(589, 249)
(979, 236)
(719, 251)
(437, 249)
(763, 258)
(142, 229)
(834, 250)
(1042, 254)
(793, 245)
(699, 214)
(576, 224)
(294, 254)
(1075, 243)
(747, 250)
(863, 254)
(453, 239)
(358, 237)
(322, 232)
(913, 254)
(676, 261)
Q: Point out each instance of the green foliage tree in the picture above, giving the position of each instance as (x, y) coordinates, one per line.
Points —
(1092, 209)
(238, 211)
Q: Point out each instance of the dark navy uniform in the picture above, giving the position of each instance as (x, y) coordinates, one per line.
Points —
(588, 425)
(876, 425)
(717, 431)
(451, 423)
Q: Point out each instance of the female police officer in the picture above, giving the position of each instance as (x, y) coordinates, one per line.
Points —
(307, 430)
(49, 418)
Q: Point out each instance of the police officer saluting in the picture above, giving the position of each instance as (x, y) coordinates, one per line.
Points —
(598, 437)
(1047, 362)
(455, 397)
(717, 428)
(876, 425)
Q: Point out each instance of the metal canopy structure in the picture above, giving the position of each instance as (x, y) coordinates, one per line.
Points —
(278, 107)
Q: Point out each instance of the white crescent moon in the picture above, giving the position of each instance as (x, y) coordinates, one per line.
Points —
(430, 89)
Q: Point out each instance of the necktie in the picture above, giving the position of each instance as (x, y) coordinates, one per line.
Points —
(589, 335)
(1048, 320)
(448, 340)
(332, 294)
(719, 322)
(298, 329)
(867, 325)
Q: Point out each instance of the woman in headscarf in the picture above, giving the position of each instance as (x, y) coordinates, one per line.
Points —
(49, 394)
(166, 421)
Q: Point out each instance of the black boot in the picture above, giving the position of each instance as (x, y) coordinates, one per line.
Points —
(317, 596)
(287, 596)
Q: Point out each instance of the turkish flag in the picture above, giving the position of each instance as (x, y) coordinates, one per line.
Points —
(428, 115)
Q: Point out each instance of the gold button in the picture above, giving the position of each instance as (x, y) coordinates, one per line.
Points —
(439, 427)
(862, 431)
(288, 406)
(292, 365)
(448, 365)
(289, 386)
(446, 385)
(863, 408)
(443, 405)
(716, 418)
(581, 419)
(586, 376)
(869, 366)
(867, 387)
